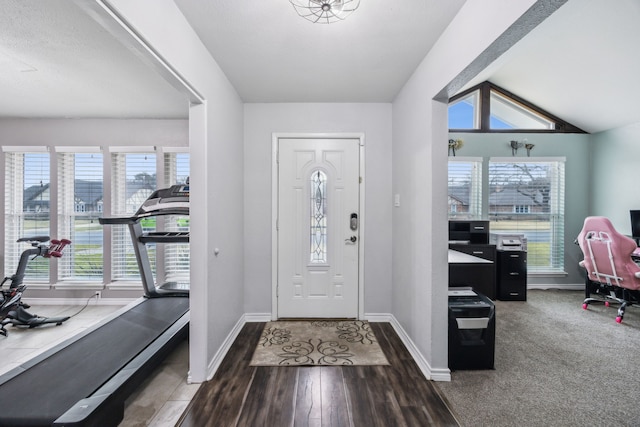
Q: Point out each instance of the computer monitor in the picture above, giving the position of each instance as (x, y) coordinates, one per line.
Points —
(635, 224)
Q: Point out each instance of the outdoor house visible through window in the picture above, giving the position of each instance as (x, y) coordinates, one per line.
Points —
(133, 180)
(465, 188)
(27, 206)
(80, 204)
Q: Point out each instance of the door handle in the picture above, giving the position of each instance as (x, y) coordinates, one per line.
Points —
(351, 240)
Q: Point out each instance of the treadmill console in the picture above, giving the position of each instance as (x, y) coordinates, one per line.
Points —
(167, 201)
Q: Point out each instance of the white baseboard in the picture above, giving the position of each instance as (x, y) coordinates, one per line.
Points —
(224, 348)
(430, 373)
(564, 287)
(257, 317)
(441, 374)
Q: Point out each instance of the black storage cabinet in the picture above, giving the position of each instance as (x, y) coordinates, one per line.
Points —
(512, 275)
(469, 231)
(481, 277)
(472, 332)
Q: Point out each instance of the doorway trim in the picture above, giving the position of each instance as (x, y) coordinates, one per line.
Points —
(275, 138)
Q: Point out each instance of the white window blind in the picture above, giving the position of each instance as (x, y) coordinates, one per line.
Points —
(80, 202)
(133, 181)
(465, 188)
(176, 255)
(27, 197)
(526, 196)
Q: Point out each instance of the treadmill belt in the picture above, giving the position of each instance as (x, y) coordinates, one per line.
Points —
(42, 393)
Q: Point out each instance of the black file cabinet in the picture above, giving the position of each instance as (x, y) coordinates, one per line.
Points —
(512, 275)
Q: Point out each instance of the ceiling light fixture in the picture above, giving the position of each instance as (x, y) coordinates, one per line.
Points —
(325, 11)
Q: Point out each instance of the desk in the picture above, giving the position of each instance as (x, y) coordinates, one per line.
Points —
(469, 270)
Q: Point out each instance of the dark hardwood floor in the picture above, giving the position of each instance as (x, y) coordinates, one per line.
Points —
(385, 396)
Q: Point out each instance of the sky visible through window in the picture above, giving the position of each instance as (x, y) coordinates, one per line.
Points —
(461, 116)
(36, 169)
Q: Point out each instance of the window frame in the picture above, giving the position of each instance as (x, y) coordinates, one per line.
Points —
(485, 89)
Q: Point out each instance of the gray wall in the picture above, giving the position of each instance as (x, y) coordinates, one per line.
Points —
(420, 170)
(614, 172)
(215, 139)
(575, 147)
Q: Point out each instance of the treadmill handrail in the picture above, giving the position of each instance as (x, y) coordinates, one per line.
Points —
(136, 218)
(123, 220)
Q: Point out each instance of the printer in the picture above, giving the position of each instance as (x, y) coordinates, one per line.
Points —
(508, 241)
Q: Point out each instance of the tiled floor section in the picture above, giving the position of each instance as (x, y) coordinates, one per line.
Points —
(158, 402)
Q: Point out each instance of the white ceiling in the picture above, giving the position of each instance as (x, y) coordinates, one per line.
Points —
(55, 61)
(581, 64)
(270, 54)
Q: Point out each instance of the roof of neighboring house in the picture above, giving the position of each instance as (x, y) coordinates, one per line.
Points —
(512, 197)
(460, 193)
(134, 186)
(88, 191)
(33, 192)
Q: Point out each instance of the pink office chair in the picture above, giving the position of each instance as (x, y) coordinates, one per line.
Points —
(611, 272)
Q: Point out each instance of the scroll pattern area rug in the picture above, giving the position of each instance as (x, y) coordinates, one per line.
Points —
(318, 342)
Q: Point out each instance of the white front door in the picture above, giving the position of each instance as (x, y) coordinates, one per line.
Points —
(318, 227)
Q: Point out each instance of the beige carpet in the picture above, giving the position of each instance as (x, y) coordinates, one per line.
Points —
(318, 342)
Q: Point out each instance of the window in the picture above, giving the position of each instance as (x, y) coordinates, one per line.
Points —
(80, 199)
(527, 197)
(318, 220)
(132, 182)
(465, 188)
(489, 108)
(27, 206)
(176, 255)
(464, 113)
(509, 114)
(63, 195)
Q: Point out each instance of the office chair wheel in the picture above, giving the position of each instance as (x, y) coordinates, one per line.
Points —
(619, 319)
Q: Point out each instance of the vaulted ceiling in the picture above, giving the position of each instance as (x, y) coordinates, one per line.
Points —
(56, 61)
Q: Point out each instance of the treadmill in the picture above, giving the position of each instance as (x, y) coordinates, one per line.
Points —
(167, 201)
(86, 380)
